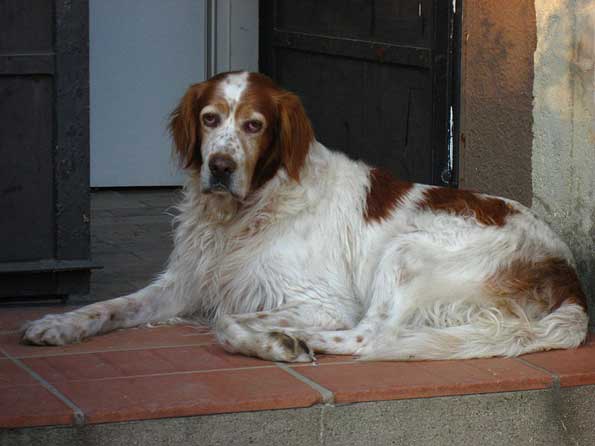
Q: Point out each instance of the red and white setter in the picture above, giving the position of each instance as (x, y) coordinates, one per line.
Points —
(288, 249)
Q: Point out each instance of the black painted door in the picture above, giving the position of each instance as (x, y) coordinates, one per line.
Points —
(374, 76)
(44, 148)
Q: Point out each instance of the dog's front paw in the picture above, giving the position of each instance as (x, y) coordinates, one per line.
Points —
(54, 329)
(289, 348)
(237, 336)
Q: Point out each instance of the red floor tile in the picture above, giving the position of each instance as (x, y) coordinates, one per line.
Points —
(188, 394)
(12, 318)
(398, 380)
(178, 371)
(574, 367)
(12, 375)
(139, 362)
(25, 406)
(134, 338)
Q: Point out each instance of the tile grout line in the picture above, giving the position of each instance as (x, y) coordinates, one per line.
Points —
(78, 414)
(180, 373)
(109, 350)
(555, 377)
(328, 397)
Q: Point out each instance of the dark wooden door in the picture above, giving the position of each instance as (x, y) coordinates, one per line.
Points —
(374, 76)
(44, 147)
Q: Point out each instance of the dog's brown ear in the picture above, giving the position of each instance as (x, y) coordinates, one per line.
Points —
(184, 126)
(295, 134)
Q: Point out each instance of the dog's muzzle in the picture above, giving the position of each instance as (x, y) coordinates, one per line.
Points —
(222, 168)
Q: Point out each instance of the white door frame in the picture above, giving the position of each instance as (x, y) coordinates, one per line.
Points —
(231, 36)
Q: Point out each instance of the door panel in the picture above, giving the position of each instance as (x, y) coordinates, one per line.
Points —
(44, 148)
(386, 21)
(26, 103)
(28, 26)
(368, 130)
(373, 76)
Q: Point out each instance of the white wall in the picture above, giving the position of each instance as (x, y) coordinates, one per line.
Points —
(143, 54)
(563, 162)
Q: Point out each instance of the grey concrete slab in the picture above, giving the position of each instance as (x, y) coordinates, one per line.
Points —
(540, 417)
(131, 238)
(111, 199)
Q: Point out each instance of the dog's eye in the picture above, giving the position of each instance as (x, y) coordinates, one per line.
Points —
(210, 119)
(252, 126)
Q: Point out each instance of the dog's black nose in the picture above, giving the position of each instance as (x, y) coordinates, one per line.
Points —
(222, 166)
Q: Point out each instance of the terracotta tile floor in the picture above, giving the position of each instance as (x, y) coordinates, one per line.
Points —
(170, 371)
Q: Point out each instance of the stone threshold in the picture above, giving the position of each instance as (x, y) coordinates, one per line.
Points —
(562, 416)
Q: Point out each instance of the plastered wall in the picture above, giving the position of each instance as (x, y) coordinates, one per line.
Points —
(528, 113)
(498, 44)
(563, 154)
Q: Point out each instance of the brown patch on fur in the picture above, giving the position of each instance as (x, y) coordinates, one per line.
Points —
(303, 346)
(184, 125)
(284, 142)
(338, 339)
(286, 341)
(489, 211)
(259, 97)
(384, 195)
(262, 316)
(267, 163)
(290, 129)
(359, 339)
(295, 133)
(383, 316)
(550, 282)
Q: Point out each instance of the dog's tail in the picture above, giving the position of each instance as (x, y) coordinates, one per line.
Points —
(487, 333)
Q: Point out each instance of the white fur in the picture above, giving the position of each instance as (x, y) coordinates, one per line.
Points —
(296, 268)
(234, 85)
(224, 139)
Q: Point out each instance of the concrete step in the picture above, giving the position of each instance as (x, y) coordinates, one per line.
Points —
(554, 416)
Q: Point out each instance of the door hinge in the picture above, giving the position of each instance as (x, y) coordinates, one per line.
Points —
(447, 175)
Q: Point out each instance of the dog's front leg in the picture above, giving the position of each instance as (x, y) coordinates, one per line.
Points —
(152, 303)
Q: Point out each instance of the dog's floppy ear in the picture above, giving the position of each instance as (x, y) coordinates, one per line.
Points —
(184, 126)
(294, 133)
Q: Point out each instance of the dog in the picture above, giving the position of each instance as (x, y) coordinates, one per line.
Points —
(288, 249)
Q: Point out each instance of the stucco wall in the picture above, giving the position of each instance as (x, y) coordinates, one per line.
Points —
(528, 113)
(563, 161)
(498, 44)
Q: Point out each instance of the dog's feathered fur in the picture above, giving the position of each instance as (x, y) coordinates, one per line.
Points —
(302, 250)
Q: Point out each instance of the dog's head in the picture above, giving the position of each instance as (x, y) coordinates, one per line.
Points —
(237, 130)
